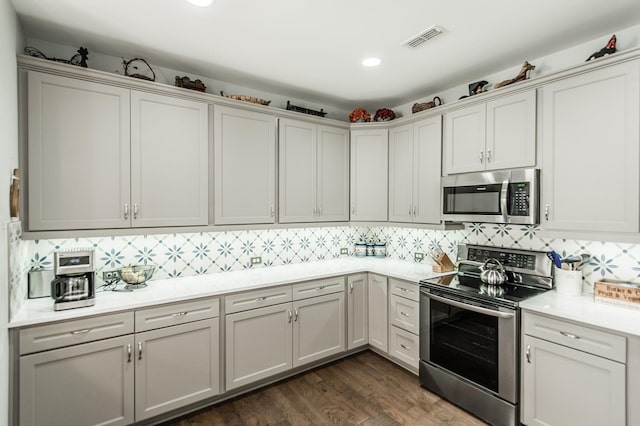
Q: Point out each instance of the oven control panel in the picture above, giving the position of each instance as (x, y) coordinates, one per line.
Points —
(508, 259)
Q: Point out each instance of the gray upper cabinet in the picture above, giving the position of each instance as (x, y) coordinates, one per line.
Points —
(244, 166)
(590, 134)
(314, 178)
(369, 174)
(414, 171)
(169, 161)
(102, 157)
(498, 134)
(78, 154)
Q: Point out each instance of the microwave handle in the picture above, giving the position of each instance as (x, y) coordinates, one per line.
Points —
(504, 193)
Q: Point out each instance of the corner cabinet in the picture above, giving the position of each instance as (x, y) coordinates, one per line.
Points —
(357, 311)
(369, 174)
(101, 156)
(498, 134)
(590, 155)
(244, 166)
(314, 172)
(378, 312)
(414, 172)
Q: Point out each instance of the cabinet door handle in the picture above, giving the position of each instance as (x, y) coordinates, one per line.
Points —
(528, 354)
(481, 156)
(319, 211)
(315, 210)
(135, 210)
(78, 332)
(546, 211)
(139, 350)
(126, 211)
(488, 156)
(273, 211)
(403, 346)
(409, 211)
(129, 353)
(295, 318)
(353, 210)
(414, 210)
(350, 287)
(569, 335)
(289, 315)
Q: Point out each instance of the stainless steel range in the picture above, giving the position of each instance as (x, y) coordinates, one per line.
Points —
(470, 329)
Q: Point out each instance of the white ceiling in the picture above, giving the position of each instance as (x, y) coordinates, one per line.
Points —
(312, 49)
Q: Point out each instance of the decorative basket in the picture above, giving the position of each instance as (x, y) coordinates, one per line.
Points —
(426, 105)
(251, 99)
(134, 64)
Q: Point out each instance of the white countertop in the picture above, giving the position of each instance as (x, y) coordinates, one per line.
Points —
(583, 309)
(39, 311)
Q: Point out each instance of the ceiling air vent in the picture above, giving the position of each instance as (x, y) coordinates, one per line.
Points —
(423, 37)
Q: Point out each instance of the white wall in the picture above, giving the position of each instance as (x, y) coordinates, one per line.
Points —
(627, 38)
(11, 40)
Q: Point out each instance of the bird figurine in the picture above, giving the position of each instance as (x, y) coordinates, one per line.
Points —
(607, 50)
(522, 75)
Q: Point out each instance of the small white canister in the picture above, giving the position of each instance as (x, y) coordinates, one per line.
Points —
(380, 249)
(361, 249)
(568, 282)
(370, 247)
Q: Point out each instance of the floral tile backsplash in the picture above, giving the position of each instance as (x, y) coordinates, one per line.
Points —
(191, 254)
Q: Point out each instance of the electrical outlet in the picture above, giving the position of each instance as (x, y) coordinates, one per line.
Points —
(256, 260)
(418, 257)
(108, 276)
(344, 250)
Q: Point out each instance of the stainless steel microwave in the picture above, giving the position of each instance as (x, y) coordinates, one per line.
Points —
(503, 196)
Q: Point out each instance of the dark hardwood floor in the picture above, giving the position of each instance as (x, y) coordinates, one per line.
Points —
(363, 389)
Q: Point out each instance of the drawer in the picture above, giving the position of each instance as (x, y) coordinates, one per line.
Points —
(58, 335)
(257, 299)
(583, 338)
(405, 313)
(318, 288)
(405, 289)
(178, 313)
(404, 346)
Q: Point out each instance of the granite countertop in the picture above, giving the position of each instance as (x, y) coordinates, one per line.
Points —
(40, 311)
(584, 310)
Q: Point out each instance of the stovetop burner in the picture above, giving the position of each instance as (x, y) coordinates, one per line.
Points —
(528, 272)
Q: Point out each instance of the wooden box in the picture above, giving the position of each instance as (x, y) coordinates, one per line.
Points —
(618, 293)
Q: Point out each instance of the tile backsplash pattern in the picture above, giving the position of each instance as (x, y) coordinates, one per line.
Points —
(202, 253)
(19, 265)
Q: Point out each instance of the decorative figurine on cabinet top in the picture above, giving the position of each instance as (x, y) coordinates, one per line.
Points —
(384, 114)
(79, 59)
(522, 75)
(475, 88)
(607, 50)
(359, 115)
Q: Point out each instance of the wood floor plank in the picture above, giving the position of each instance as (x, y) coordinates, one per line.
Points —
(363, 389)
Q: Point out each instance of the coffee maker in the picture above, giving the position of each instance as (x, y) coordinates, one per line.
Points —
(74, 282)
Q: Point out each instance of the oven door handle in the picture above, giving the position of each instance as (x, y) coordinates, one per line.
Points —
(473, 308)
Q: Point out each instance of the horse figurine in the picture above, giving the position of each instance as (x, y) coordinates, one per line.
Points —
(607, 50)
(522, 75)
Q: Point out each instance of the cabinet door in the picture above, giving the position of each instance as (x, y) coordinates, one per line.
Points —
(427, 160)
(297, 171)
(357, 311)
(401, 171)
(378, 312)
(176, 366)
(590, 133)
(465, 137)
(511, 131)
(258, 344)
(245, 161)
(318, 329)
(563, 386)
(78, 154)
(169, 161)
(332, 192)
(369, 154)
(86, 384)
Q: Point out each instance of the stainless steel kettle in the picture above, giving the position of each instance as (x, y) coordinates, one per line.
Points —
(493, 272)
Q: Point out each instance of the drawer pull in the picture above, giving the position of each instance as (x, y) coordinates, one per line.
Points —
(79, 332)
(261, 299)
(404, 314)
(403, 346)
(406, 290)
(179, 314)
(320, 288)
(129, 353)
(571, 336)
(139, 350)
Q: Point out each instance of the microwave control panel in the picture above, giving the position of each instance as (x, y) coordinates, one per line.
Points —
(519, 199)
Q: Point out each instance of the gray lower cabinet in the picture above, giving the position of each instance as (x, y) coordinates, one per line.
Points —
(404, 322)
(87, 384)
(357, 311)
(378, 312)
(176, 366)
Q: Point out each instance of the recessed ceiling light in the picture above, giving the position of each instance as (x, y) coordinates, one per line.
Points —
(371, 62)
(201, 3)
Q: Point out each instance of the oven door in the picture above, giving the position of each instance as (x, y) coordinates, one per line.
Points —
(469, 341)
